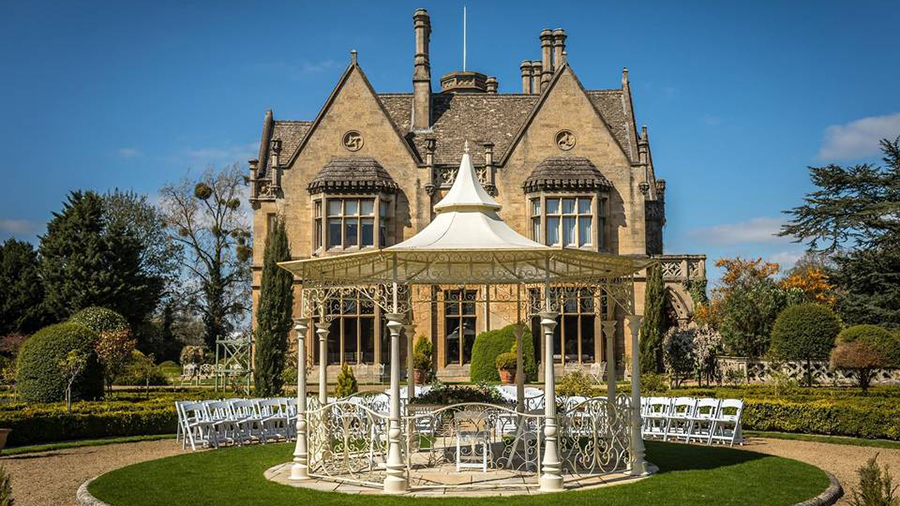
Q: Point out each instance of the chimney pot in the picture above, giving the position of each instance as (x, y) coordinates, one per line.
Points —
(421, 72)
(546, 56)
(525, 67)
(559, 48)
(353, 57)
(536, 77)
(491, 85)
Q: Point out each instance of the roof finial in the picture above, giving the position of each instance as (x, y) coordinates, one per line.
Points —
(467, 146)
(353, 55)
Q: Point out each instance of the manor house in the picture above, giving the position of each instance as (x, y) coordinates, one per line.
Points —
(568, 164)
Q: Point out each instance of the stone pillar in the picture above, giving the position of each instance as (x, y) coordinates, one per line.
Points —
(300, 467)
(395, 482)
(525, 69)
(546, 57)
(638, 464)
(609, 331)
(551, 467)
(322, 331)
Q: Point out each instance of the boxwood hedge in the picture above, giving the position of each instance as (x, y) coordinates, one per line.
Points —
(39, 378)
(490, 344)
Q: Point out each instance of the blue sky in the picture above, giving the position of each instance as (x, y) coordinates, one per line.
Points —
(739, 98)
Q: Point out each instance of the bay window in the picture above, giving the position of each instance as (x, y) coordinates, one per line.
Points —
(569, 221)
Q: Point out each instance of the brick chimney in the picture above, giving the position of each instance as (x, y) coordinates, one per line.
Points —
(421, 119)
(546, 56)
(559, 48)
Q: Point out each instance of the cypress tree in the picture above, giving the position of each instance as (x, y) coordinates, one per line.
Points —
(273, 316)
(653, 325)
(21, 289)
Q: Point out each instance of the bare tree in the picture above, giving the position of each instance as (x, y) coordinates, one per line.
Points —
(204, 215)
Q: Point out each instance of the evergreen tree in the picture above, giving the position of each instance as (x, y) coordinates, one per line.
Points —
(273, 317)
(653, 326)
(86, 262)
(21, 289)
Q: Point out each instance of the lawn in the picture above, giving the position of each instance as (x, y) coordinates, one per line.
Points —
(689, 475)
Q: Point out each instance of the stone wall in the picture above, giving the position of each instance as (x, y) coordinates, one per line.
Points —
(760, 371)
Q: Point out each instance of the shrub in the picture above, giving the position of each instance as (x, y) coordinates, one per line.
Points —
(423, 353)
(653, 384)
(678, 354)
(193, 355)
(443, 394)
(576, 383)
(653, 326)
(862, 349)
(490, 344)
(805, 332)
(39, 379)
(101, 320)
(876, 487)
(507, 361)
(140, 371)
(346, 382)
(6, 498)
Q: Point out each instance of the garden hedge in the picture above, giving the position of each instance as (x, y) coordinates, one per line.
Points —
(100, 320)
(877, 337)
(490, 344)
(804, 332)
(39, 378)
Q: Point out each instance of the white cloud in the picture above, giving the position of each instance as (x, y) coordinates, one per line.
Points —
(785, 259)
(859, 139)
(753, 231)
(16, 227)
(129, 152)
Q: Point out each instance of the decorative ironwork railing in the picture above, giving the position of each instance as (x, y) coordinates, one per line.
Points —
(348, 439)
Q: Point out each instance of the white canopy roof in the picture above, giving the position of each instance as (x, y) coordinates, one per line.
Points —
(467, 220)
(467, 242)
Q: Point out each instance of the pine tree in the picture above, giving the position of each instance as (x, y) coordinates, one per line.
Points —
(653, 325)
(86, 262)
(21, 289)
(273, 317)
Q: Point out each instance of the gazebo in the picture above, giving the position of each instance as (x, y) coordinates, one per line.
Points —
(467, 244)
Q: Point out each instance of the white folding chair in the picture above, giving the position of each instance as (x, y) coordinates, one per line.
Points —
(598, 371)
(225, 428)
(197, 426)
(726, 426)
(678, 424)
(656, 416)
(705, 412)
(274, 419)
(472, 432)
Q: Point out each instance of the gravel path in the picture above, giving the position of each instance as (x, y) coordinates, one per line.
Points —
(52, 478)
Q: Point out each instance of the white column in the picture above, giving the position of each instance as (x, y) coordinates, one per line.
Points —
(609, 331)
(395, 482)
(410, 330)
(300, 468)
(520, 368)
(551, 467)
(322, 331)
(638, 464)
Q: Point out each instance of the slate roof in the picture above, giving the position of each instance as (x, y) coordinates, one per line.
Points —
(352, 174)
(565, 173)
(481, 117)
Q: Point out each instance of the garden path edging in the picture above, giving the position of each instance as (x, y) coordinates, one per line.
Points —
(826, 498)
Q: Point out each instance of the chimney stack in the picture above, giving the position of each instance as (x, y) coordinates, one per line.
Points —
(421, 119)
(525, 67)
(536, 77)
(546, 56)
(490, 85)
(559, 48)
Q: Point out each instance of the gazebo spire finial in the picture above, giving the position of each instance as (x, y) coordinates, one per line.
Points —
(467, 146)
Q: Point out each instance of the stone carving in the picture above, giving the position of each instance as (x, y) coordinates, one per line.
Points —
(352, 140)
(760, 371)
(565, 140)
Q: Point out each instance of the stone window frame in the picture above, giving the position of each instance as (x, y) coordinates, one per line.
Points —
(466, 298)
(567, 315)
(384, 216)
(599, 218)
(356, 310)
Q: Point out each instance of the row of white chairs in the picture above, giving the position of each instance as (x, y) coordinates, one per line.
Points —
(235, 421)
(688, 419)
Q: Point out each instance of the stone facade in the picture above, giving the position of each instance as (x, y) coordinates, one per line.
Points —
(367, 170)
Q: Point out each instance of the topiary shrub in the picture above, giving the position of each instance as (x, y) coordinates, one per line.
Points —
(346, 382)
(506, 361)
(101, 320)
(575, 384)
(423, 355)
(804, 332)
(490, 344)
(861, 349)
(38, 377)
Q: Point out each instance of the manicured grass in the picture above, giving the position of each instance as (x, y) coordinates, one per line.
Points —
(837, 440)
(689, 475)
(49, 447)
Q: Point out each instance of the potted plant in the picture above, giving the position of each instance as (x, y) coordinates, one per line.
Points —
(506, 366)
(422, 359)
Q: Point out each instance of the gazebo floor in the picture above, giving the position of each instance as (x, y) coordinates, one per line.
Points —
(445, 481)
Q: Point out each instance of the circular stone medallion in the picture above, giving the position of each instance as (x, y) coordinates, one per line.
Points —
(565, 140)
(352, 140)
